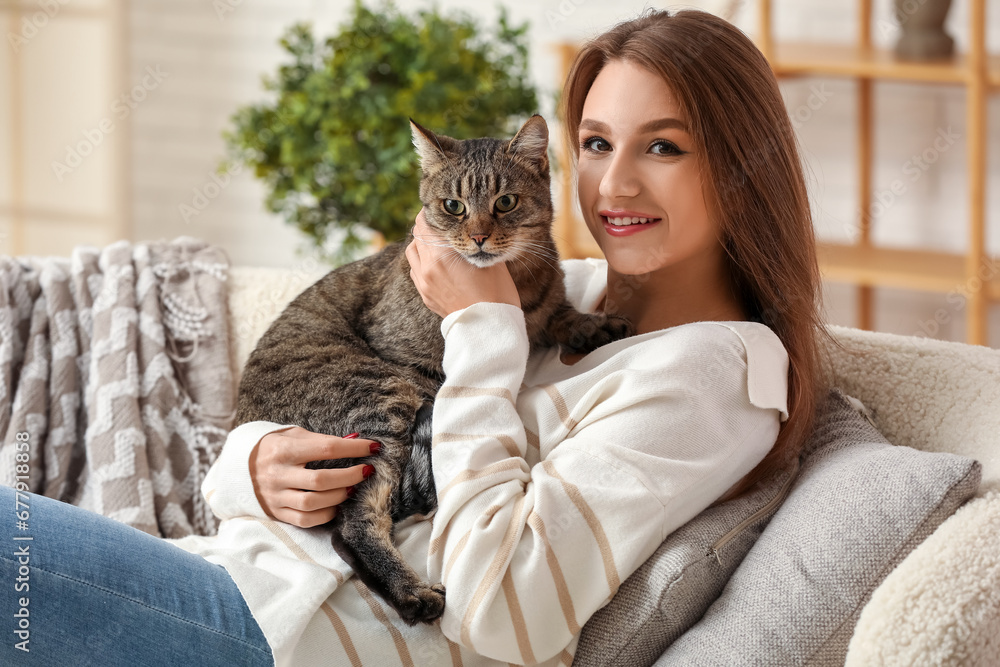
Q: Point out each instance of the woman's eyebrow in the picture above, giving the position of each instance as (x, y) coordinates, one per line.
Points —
(648, 126)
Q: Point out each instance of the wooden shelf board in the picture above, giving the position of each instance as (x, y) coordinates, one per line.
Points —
(894, 267)
(794, 58)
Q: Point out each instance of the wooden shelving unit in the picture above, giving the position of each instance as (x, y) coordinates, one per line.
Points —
(796, 58)
(893, 267)
(864, 264)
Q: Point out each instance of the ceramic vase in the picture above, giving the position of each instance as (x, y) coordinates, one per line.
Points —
(922, 23)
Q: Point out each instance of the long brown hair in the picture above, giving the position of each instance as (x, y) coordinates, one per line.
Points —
(752, 178)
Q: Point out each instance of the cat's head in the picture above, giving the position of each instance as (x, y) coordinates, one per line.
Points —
(489, 198)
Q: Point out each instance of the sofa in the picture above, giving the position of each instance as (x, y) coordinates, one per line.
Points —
(883, 548)
(938, 600)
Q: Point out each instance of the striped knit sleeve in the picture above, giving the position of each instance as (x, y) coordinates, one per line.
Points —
(529, 553)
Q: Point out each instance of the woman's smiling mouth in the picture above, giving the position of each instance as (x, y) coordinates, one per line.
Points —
(624, 223)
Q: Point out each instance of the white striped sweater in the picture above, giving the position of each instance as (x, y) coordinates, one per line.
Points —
(554, 483)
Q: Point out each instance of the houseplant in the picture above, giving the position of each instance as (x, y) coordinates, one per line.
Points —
(333, 145)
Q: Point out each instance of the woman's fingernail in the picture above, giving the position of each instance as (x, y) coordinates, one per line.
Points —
(375, 447)
(350, 491)
(368, 471)
(348, 437)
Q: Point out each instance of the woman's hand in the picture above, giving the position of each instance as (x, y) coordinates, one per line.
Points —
(290, 492)
(447, 282)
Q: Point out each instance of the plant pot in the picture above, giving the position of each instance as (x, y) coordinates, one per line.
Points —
(922, 22)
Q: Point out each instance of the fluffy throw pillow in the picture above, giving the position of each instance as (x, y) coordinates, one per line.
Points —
(858, 506)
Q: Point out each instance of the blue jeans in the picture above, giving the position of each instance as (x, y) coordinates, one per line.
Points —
(85, 589)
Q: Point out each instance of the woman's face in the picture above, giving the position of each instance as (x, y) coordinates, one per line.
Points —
(637, 162)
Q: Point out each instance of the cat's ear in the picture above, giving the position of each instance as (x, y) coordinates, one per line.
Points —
(432, 148)
(532, 140)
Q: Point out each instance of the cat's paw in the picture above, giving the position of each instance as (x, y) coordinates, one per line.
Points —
(618, 327)
(422, 604)
(594, 331)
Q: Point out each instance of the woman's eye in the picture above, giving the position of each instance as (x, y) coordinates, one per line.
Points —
(665, 148)
(506, 203)
(595, 144)
(454, 206)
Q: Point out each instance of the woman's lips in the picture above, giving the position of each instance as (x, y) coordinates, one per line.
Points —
(629, 229)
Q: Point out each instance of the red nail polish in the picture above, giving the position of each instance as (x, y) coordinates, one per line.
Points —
(350, 491)
(375, 447)
(368, 471)
(349, 437)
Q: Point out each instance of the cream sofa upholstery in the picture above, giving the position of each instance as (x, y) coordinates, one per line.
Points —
(941, 605)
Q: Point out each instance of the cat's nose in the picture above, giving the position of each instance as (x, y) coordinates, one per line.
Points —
(480, 239)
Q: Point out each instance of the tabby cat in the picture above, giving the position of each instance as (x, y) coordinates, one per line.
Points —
(360, 352)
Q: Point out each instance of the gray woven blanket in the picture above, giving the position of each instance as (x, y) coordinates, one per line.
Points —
(116, 392)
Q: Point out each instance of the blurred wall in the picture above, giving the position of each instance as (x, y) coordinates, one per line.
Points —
(190, 63)
(65, 112)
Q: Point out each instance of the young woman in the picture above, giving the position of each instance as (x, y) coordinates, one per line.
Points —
(557, 475)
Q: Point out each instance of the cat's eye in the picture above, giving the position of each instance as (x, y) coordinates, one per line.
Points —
(454, 206)
(505, 203)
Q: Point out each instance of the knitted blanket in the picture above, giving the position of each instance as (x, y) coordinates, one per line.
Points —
(116, 392)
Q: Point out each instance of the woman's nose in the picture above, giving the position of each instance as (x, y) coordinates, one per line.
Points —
(620, 179)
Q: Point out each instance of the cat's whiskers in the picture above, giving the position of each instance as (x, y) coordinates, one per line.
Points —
(534, 250)
(558, 237)
(453, 256)
(544, 248)
(521, 259)
(523, 252)
(524, 261)
(423, 239)
(531, 263)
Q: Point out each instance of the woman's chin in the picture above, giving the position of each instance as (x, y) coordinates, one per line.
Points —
(635, 260)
